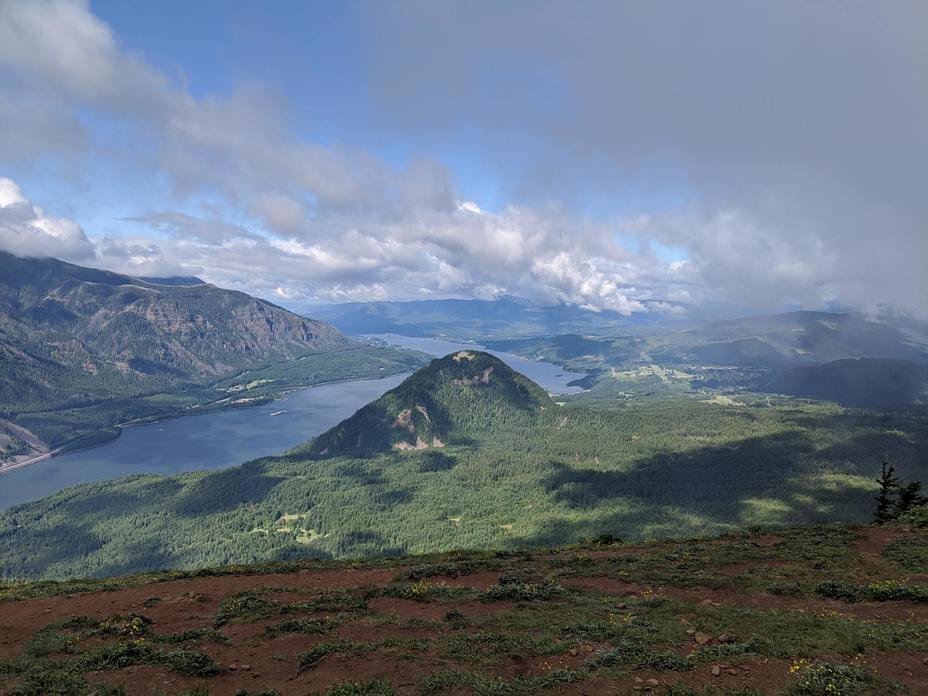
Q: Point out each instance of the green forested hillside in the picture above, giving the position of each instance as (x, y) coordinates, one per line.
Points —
(555, 474)
(454, 400)
(870, 382)
(83, 349)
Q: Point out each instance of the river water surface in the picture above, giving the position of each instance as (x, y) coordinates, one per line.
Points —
(226, 438)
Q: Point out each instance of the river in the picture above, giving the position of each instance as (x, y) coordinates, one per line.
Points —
(225, 438)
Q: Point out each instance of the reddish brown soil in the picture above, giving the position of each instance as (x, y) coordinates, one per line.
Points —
(872, 541)
(432, 611)
(410, 636)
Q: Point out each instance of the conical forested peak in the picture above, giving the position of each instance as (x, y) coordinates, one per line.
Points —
(456, 399)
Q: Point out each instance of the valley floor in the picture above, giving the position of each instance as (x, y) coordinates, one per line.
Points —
(806, 612)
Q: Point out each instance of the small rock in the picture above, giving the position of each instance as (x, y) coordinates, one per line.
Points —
(732, 671)
(925, 660)
(702, 638)
(652, 682)
(621, 606)
(691, 632)
(726, 638)
(232, 668)
(573, 652)
(246, 667)
(716, 670)
(255, 675)
(637, 679)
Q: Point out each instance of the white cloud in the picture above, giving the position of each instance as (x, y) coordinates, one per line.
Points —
(26, 230)
(300, 221)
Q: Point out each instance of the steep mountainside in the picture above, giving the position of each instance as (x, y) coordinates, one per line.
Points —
(74, 338)
(452, 399)
(91, 319)
(867, 382)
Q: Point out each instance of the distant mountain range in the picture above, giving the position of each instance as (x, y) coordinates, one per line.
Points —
(775, 342)
(751, 353)
(78, 338)
(474, 320)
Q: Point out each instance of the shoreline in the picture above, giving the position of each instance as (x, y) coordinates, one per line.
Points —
(7, 468)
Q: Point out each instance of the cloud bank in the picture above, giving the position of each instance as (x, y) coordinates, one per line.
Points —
(792, 148)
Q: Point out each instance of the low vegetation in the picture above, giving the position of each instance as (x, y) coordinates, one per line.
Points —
(692, 617)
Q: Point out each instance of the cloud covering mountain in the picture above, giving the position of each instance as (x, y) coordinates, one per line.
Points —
(643, 157)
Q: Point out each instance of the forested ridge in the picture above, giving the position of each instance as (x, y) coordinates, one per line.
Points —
(543, 475)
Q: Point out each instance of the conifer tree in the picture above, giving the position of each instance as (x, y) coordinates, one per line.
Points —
(910, 496)
(885, 498)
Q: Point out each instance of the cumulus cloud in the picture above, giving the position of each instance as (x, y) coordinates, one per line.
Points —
(794, 134)
(26, 230)
(445, 253)
(792, 148)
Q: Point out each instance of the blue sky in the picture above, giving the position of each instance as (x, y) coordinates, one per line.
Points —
(637, 158)
(316, 55)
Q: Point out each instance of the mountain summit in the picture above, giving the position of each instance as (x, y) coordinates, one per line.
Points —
(452, 400)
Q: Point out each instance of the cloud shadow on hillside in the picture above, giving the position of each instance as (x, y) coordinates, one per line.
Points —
(704, 490)
(226, 489)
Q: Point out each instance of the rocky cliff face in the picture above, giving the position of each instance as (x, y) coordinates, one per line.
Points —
(90, 320)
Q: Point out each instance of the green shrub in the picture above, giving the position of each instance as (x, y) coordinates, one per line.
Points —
(371, 688)
(318, 626)
(834, 589)
(828, 679)
(910, 552)
(447, 570)
(454, 615)
(641, 656)
(121, 655)
(523, 592)
(331, 601)
(889, 590)
(606, 540)
(315, 654)
(916, 517)
(251, 604)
